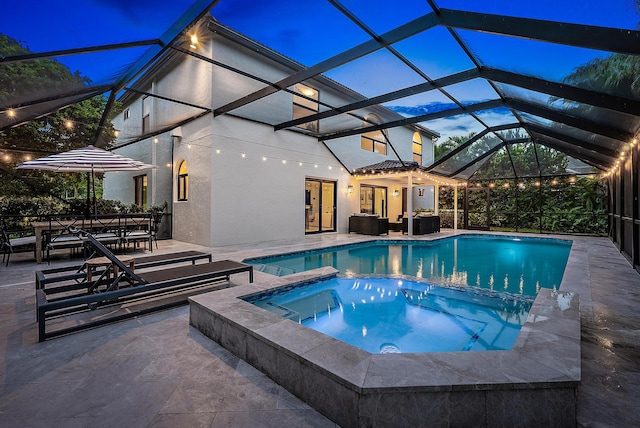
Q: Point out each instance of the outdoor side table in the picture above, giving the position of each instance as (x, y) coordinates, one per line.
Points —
(104, 261)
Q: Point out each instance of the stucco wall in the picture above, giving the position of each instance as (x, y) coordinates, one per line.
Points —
(258, 200)
(349, 151)
(191, 218)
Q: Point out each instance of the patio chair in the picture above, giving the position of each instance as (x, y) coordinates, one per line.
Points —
(137, 228)
(106, 229)
(16, 241)
(57, 236)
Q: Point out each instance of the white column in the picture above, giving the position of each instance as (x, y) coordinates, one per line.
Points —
(410, 205)
(455, 208)
(154, 161)
(151, 181)
(436, 199)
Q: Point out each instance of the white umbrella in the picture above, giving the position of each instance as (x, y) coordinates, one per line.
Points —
(88, 159)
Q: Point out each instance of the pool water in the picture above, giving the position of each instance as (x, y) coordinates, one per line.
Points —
(390, 315)
(507, 264)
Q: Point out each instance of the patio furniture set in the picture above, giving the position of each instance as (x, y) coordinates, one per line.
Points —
(373, 225)
(368, 224)
(117, 231)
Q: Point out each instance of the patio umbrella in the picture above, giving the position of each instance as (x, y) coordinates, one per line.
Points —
(88, 159)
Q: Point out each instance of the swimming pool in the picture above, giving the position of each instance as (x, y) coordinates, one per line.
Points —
(384, 315)
(516, 265)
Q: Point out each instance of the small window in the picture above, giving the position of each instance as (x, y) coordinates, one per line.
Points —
(305, 104)
(146, 113)
(126, 114)
(373, 141)
(140, 186)
(183, 182)
(417, 148)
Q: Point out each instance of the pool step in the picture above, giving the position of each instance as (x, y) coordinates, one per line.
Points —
(274, 270)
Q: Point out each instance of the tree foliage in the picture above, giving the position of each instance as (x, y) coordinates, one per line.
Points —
(529, 160)
(499, 201)
(617, 73)
(441, 149)
(67, 129)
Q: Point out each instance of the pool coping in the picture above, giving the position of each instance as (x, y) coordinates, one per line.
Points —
(534, 383)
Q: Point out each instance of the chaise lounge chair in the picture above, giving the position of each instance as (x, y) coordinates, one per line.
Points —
(51, 277)
(127, 285)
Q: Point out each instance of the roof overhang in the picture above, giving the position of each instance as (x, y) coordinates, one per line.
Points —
(398, 173)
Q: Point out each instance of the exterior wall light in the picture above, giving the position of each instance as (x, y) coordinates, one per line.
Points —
(396, 193)
(349, 189)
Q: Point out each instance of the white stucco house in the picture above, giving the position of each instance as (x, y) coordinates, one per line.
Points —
(243, 177)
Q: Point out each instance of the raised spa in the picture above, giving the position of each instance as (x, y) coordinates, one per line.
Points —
(532, 381)
(383, 315)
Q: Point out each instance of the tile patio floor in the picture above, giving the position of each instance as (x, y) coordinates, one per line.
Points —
(156, 371)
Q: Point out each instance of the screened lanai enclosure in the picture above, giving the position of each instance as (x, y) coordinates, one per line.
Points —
(535, 104)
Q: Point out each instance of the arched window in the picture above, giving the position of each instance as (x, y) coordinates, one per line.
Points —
(183, 181)
(373, 141)
(417, 148)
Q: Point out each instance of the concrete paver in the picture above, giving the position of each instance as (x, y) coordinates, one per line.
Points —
(156, 370)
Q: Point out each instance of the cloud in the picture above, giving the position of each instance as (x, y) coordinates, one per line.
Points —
(458, 125)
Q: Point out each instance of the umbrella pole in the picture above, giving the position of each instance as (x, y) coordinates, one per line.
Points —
(87, 208)
(93, 181)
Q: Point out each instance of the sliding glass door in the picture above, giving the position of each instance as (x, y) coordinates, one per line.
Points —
(320, 206)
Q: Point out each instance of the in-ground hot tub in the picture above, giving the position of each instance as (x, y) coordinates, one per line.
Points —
(534, 383)
(383, 314)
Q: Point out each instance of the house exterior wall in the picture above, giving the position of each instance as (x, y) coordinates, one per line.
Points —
(235, 199)
(120, 185)
(191, 218)
(348, 149)
(256, 200)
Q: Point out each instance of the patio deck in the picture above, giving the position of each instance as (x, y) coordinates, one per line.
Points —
(156, 370)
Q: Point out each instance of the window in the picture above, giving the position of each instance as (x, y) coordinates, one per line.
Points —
(146, 113)
(140, 186)
(320, 206)
(417, 148)
(305, 104)
(373, 141)
(183, 182)
(126, 114)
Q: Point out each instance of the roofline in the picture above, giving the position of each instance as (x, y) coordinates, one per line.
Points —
(170, 58)
(231, 34)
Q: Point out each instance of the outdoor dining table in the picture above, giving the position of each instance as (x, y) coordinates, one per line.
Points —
(39, 227)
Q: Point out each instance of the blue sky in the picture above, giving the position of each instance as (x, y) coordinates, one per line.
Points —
(313, 30)
(309, 32)
(435, 52)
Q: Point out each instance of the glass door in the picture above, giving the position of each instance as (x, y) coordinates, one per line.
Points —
(320, 206)
(366, 199)
(373, 200)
